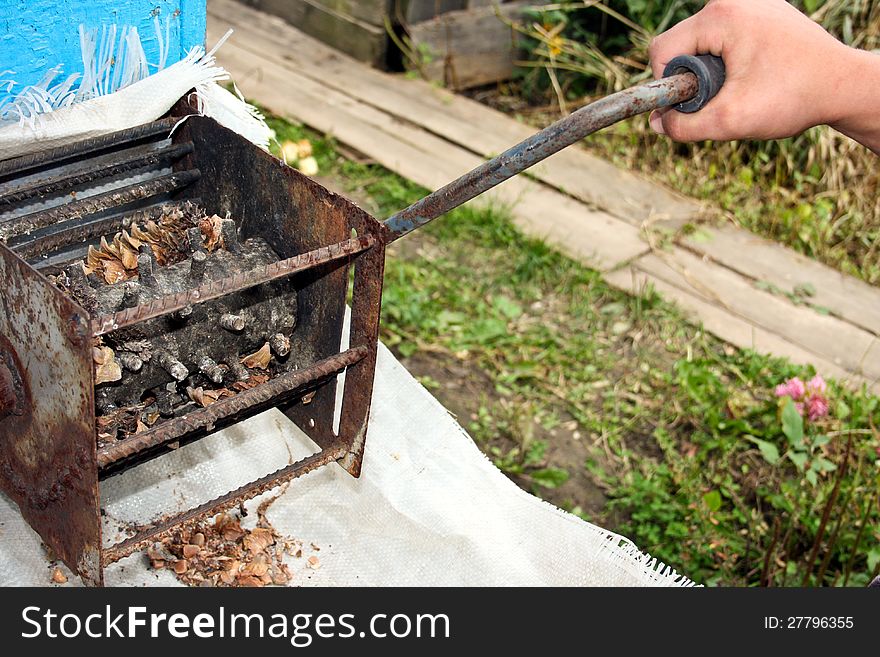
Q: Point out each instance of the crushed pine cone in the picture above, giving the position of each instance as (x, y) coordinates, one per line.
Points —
(258, 540)
(258, 360)
(106, 368)
(220, 552)
(205, 398)
(115, 260)
(212, 228)
(124, 422)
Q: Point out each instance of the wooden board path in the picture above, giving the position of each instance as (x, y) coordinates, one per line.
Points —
(459, 120)
(765, 261)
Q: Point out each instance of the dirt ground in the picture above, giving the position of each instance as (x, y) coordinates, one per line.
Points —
(464, 388)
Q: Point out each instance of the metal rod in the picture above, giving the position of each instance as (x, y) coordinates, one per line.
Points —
(270, 393)
(595, 116)
(127, 161)
(31, 246)
(214, 289)
(19, 165)
(99, 203)
(230, 500)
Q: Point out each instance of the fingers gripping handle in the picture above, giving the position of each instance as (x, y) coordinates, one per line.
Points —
(710, 73)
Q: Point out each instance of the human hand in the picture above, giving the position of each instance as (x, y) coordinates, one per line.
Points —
(785, 74)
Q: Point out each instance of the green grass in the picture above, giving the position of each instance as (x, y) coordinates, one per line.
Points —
(695, 459)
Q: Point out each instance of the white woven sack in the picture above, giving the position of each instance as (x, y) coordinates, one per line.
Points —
(117, 92)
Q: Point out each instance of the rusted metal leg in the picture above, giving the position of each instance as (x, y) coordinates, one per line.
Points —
(47, 444)
(366, 303)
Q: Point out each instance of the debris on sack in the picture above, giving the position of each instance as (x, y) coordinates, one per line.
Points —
(220, 552)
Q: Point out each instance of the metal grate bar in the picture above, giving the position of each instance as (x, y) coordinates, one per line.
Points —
(269, 393)
(231, 499)
(214, 289)
(66, 235)
(99, 203)
(18, 165)
(64, 181)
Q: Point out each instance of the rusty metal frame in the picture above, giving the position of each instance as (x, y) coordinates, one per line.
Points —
(49, 460)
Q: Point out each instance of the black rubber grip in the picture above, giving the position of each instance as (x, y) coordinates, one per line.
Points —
(710, 73)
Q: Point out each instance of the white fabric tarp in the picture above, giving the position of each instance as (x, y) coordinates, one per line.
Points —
(429, 509)
(47, 116)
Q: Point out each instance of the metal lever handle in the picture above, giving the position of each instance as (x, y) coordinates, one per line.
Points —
(710, 73)
(674, 91)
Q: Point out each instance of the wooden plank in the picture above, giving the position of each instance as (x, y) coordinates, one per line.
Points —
(596, 237)
(334, 23)
(416, 11)
(460, 120)
(763, 260)
(467, 48)
(728, 326)
(833, 339)
(373, 12)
